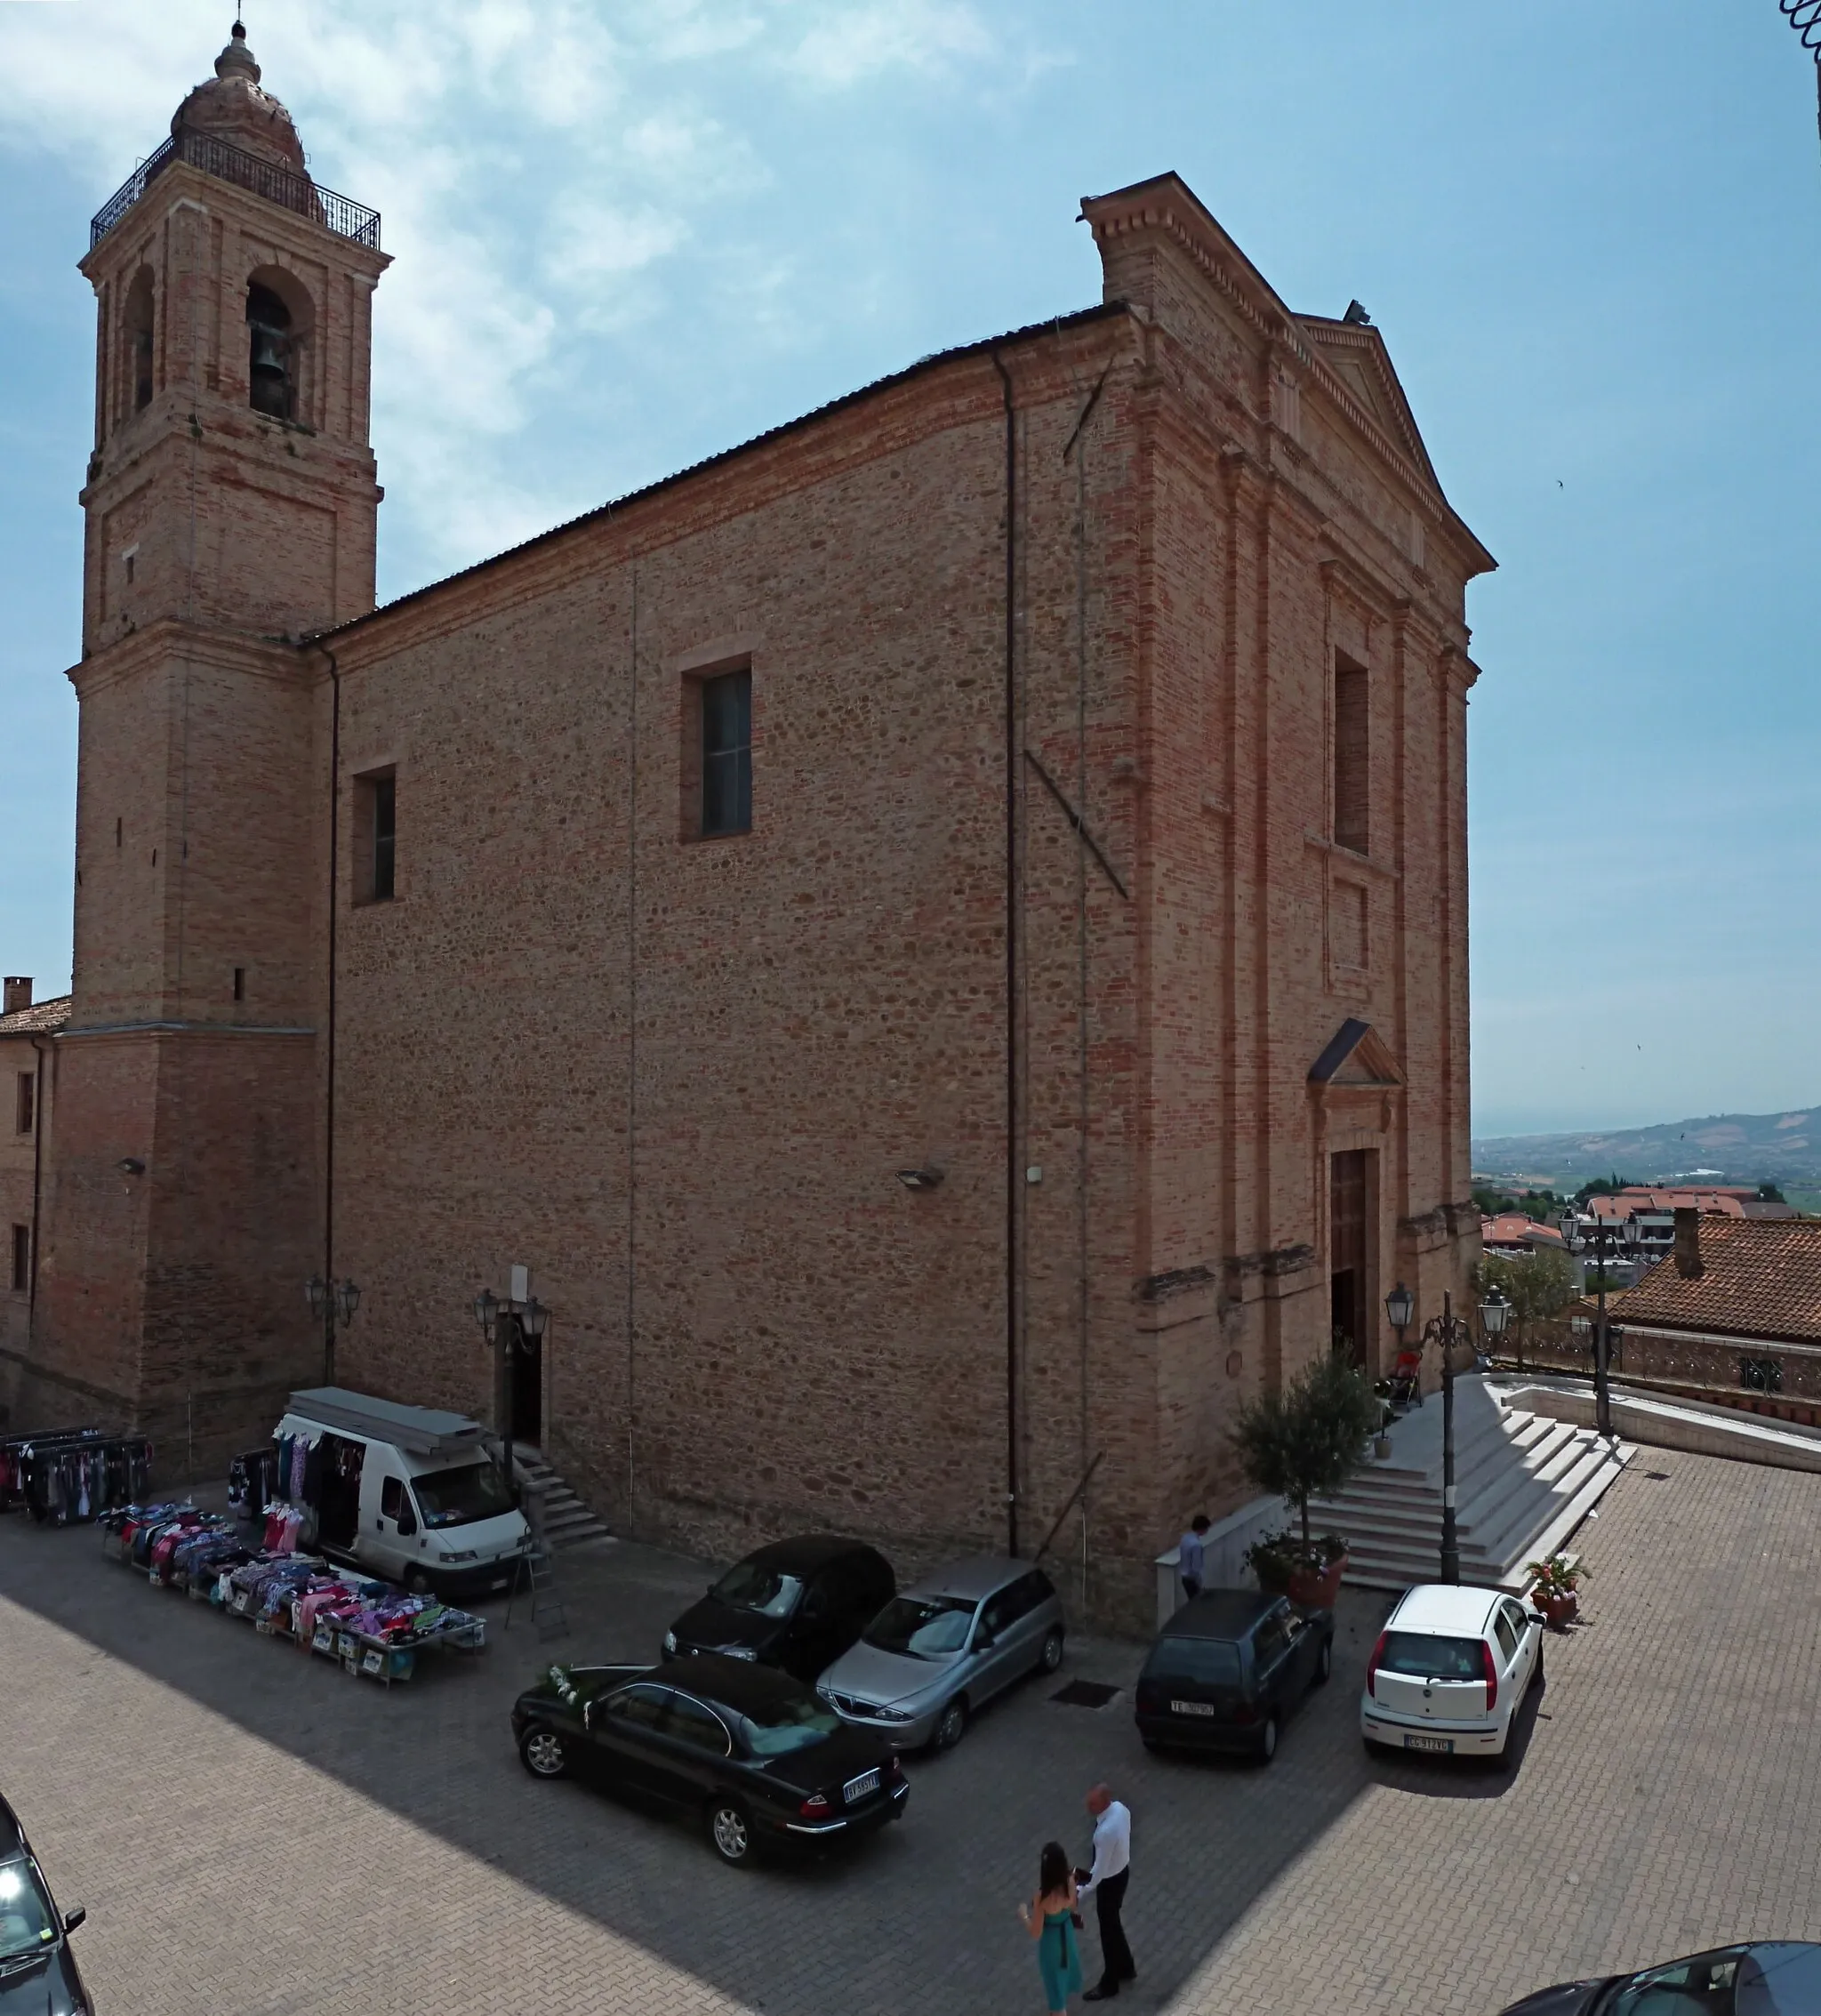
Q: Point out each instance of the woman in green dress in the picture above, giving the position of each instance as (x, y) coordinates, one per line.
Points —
(1049, 1917)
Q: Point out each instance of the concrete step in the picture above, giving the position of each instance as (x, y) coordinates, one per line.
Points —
(561, 1518)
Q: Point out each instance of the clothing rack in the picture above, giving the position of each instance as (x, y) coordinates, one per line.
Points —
(68, 1476)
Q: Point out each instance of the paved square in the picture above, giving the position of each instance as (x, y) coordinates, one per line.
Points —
(253, 1832)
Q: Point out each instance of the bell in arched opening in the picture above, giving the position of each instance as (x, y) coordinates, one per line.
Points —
(271, 381)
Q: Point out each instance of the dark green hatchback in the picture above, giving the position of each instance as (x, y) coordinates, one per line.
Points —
(1227, 1670)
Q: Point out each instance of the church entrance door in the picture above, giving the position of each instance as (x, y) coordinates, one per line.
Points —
(1347, 1253)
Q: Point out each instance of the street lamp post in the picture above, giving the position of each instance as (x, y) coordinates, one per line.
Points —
(508, 1326)
(1608, 1241)
(1448, 1332)
(330, 1305)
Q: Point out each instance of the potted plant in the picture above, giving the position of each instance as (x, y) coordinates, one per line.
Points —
(1304, 1442)
(1307, 1574)
(1553, 1584)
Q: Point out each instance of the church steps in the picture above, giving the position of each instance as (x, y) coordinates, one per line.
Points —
(1524, 1481)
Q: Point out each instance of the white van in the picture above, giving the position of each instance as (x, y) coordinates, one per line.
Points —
(412, 1493)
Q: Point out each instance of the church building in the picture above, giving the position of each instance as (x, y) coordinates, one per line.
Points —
(926, 954)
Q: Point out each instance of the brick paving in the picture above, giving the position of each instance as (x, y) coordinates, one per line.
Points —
(253, 1832)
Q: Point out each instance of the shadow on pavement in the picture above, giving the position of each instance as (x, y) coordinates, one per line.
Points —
(922, 1915)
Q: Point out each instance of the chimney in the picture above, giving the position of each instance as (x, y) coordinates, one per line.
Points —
(1687, 1243)
(19, 993)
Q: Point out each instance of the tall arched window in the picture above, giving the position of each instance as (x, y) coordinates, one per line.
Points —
(271, 379)
(139, 341)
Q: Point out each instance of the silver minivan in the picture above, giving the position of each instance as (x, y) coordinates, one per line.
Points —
(942, 1648)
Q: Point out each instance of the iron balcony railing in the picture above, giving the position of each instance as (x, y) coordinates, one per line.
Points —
(283, 186)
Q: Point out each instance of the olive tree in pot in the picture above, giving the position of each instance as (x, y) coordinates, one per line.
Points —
(1300, 1443)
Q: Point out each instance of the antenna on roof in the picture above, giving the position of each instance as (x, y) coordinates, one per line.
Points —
(1804, 16)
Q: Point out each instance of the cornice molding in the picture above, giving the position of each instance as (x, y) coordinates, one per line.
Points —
(158, 644)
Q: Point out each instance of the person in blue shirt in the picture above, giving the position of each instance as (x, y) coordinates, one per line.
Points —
(1191, 1559)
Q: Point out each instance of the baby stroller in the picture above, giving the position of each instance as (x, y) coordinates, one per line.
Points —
(1406, 1379)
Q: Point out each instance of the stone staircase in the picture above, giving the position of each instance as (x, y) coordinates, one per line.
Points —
(558, 1517)
(1523, 1484)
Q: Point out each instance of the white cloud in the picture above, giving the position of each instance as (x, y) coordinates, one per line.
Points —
(549, 173)
(849, 45)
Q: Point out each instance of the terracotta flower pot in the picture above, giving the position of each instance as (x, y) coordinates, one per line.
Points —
(1314, 1588)
(1559, 1610)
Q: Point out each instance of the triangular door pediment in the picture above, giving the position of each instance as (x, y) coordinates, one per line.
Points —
(1358, 1056)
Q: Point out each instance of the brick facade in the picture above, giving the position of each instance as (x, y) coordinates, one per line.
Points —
(1041, 893)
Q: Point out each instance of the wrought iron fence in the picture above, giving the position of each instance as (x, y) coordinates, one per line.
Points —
(1792, 1372)
(283, 186)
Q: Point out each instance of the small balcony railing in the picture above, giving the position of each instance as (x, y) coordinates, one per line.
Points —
(283, 186)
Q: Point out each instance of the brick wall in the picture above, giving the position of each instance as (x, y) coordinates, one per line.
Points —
(675, 1078)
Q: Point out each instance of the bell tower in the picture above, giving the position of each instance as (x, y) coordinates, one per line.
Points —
(231, 506)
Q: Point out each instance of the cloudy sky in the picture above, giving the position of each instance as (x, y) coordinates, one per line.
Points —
(629, 235)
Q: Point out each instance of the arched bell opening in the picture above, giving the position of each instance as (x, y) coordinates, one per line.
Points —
(138, 334)
(277, 331)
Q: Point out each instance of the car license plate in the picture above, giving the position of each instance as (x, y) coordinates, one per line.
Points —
(860, 1788)
(1193, 1709)
(1444, 1743)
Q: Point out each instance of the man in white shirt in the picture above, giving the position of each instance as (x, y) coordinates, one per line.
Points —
(1107, 1880)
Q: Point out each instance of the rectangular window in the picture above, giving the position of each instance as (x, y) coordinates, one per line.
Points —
(727, 753)
(376, 836)
(385, 835)
(25, 1106)
(1352, 757)
(21, 1259)
(240, 982)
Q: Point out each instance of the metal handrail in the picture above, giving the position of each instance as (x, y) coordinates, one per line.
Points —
(283, 186)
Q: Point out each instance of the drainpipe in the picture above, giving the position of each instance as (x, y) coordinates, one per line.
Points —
(31, 1307)
(1012, 1191)
(328, 1051)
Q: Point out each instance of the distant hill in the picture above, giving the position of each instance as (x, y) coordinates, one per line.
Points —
(1781, 1148)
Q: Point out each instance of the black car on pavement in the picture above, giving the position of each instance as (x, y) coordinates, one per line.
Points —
(1768, 1978)
(751, 1753)
(1227, 1668)
(796, 1604)
(37, 1970)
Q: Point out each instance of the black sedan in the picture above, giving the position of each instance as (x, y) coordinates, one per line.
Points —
(1227, 1668)
(751, 1753)
(797, 1604)
(37, 1970)
(1770, 1978)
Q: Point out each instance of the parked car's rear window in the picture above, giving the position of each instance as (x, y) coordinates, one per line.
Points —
(789, 1724)
(1204, 1662)
(1424, 1657)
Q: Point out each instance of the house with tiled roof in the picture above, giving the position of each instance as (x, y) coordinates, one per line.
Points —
(26, 1028)
(1736, 1307)
(1512, 1236)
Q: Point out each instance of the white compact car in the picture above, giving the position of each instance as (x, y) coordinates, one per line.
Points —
(1450, 1670)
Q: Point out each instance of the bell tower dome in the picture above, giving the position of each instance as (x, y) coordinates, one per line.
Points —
(230, 506)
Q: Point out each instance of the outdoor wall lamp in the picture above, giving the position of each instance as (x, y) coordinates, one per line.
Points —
(925, 1178)
(1400, 1309)
(330, 1305)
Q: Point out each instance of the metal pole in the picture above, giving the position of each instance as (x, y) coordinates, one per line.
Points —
(1603, 1389)
(1450, 1541)
(507, 1325)
(329, 1338)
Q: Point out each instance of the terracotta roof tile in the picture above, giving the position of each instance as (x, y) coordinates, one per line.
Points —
(1761, 1278)
(38, 1019)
